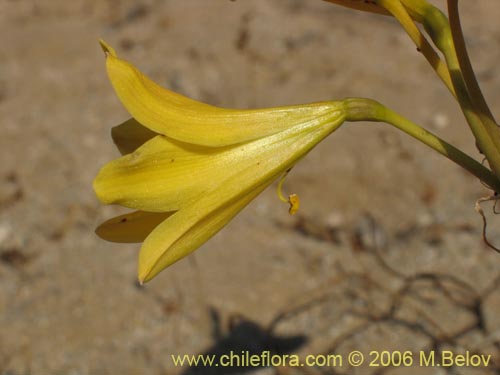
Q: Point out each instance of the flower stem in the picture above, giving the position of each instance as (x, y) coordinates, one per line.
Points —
(483, 127)
(361, 109)
(470, 78)
(396, 8)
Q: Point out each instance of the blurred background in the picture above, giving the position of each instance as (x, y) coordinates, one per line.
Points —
(385, 253)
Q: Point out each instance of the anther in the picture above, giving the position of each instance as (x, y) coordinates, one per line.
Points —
(293, 199)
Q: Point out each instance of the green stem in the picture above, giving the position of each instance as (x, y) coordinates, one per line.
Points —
(360, 109)
(405, 17)
(485, 130)
(475, 92)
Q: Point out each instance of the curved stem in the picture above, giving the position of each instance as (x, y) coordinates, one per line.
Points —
(398, 10)
(485, 130)
(463, 57)
(360, 109)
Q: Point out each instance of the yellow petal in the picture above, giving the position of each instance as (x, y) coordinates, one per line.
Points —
(107, 48)
(164, 174)
(131, 227)
(151, 263)
(187, 120)
(157, 177)
(195, 223)
(130, 135)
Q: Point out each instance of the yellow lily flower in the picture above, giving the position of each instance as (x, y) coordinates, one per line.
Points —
(189, 167)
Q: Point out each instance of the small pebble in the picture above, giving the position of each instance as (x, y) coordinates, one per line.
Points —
(5, 231)
(440, 121)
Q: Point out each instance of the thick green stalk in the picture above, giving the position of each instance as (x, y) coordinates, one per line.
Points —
(485, 130)
(360, 109)
(405, 17)
(475, 92)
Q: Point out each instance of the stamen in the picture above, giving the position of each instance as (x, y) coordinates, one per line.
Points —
(293, 199)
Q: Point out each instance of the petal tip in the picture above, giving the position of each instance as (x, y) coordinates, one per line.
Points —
(96, 185)
(98, 231)
(104, 189)
(144, 277)
(147, 269)
(108, 50)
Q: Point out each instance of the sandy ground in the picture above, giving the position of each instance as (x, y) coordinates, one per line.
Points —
(386, 252)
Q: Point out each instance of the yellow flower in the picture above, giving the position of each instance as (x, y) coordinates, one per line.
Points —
(189, 167)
